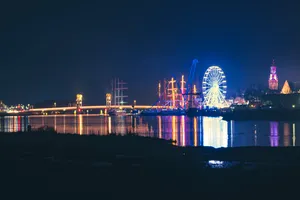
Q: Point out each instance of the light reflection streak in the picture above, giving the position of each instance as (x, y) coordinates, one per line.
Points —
(134, 124)
(294, 134)
(159, 127)
(15, 123)
(109, 125)
(19, 123)
(43, 120)
(80, 124)
(75, 127)
(274, 139)
(54, 122)
(200, 140)
(255, 135)
(87, 126)
(195, 132)
(174, 128)
(122, 128)
(183, 130)
(286, 133)
(64, 123)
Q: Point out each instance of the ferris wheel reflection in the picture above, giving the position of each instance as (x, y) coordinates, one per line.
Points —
(215, 132)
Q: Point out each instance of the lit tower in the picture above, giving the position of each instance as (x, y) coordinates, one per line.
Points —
(108, 100)
(79, 102)
(273, 80)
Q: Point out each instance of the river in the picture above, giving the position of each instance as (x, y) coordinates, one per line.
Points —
(198, 131)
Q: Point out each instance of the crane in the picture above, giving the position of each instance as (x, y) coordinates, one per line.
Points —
(191, 76)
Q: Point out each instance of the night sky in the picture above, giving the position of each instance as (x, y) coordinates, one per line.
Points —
(52, 50)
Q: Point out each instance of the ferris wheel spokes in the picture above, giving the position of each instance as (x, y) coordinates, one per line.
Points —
(214, 87)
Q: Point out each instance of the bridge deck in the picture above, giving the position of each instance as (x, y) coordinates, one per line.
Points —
(93, 107)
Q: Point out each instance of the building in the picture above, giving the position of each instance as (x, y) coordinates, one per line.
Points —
(282, 100)
(286, 89)
(273, 79)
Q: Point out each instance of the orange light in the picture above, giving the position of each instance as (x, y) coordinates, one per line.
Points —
(173, 92)
(182, 90)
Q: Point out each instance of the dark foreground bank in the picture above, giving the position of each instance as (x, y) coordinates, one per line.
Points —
(57, 166)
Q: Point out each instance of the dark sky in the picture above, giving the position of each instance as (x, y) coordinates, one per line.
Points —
(52, 50)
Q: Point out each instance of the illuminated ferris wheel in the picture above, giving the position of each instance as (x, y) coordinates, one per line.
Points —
(214, 87)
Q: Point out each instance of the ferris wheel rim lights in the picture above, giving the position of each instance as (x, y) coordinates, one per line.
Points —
(214, 87)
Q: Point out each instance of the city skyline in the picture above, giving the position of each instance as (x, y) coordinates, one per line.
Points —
(54, 52)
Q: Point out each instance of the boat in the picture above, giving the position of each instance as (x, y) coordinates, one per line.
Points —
(194, 112)
(149, 112)
(170, 112)
(134, 112)
(117, 112)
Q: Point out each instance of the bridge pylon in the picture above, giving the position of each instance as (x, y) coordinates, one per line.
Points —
(79, 98)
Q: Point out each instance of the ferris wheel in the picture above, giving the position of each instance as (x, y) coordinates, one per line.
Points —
(214, 87)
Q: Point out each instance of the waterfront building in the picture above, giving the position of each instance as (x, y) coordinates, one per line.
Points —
(273, 78)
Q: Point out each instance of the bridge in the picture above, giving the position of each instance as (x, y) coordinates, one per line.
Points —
(94, 107)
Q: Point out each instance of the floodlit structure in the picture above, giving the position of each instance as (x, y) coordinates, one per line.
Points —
(286, 88)
(214, 87)
(273, 79)
(108, 99)
(79, 98)
(118, 89)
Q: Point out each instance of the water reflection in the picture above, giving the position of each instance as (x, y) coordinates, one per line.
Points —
(182, 131)
(215, 132)
(197, 131)
(294, 134)
(286, 134)
(159, 127)
(174, 128)
(13, 123)
(274, 138)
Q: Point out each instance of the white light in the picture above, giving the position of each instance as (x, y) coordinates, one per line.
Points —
(213, 88)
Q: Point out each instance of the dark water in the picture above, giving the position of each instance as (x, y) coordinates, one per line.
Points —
(198, 131)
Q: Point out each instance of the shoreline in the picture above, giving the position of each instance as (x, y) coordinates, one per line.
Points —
(132, 141)
(114, 167)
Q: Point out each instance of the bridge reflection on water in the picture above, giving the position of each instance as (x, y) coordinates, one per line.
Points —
(198, 131)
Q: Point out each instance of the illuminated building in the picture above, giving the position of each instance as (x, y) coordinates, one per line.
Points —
(286, 89)
(282, 100)
(273, 79)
